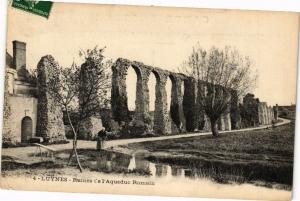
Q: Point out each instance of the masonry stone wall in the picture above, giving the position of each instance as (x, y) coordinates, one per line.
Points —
(250, 111)
(91, 123)
(176, 110)
(49, 115)
(266, 114)
(271, 114)
(261, 114)
(89, 128)
(166, 120)
(21, 106)
(185, 112)
(235, 116)
(275, 110)
(189, 103)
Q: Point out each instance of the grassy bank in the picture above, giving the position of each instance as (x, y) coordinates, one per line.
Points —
(262, 155)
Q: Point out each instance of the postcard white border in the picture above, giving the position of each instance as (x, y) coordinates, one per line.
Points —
(272, 5)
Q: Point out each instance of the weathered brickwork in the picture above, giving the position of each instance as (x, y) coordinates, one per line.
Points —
(235, 116)
(255, 111)
(49, 115)
(275, 109)
(164, 117)
(184, 114)
(250, 111)
(176, 110)
(189, 103)
(89, 128)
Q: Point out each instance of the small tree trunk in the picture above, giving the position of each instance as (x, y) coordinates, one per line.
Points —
(74, 150)
(214, 128)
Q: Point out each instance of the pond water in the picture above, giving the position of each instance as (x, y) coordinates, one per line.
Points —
(168, 167)
(136, 163)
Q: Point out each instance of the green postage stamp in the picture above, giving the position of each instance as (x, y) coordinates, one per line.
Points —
(41, 8)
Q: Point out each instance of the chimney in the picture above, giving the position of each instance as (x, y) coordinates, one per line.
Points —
(19, 54)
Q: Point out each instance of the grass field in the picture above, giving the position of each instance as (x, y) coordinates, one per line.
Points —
(261, 156)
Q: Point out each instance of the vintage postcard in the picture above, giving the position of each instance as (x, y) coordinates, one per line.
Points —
(149, 100)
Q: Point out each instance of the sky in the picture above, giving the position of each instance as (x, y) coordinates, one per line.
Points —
(164, 37)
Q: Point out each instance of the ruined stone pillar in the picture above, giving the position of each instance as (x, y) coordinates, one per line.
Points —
(270, 114)
(118, 91)
(266, 113)
(235, 116)
(275, 110)
(265, 116)
(161, 114)
(50, 123)
(142, 95)
(176, 108)
(260, 114)
(189, 103)
(89, 104)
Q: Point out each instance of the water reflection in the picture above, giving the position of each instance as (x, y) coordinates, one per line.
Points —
(122, 163)
(115, 162)
(111, 162)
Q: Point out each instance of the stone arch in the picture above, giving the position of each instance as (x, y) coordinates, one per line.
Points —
(141, 95)
(119, 98)
(153, 80)
(169, 87)
(184, 107)
(26, 129)
(132, 84)
(161, 112)
(182, 87)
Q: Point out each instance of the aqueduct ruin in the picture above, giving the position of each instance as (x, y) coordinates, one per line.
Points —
(184, 113)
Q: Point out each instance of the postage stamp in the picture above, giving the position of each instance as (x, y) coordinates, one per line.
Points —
(41, 8)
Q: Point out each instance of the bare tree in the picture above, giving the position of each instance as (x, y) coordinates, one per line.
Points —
(219, 73)
(95, 82)
(63, 88)
(82, 90)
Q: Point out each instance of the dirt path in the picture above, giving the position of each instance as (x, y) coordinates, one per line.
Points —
(23, 152)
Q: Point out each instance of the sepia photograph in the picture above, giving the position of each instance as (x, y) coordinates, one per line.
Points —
(149, 100)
